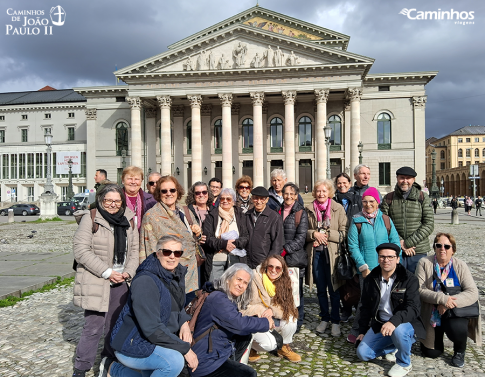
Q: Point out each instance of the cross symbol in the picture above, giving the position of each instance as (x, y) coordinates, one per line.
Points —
(60, 13)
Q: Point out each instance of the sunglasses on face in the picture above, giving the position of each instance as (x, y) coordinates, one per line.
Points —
(440, 245)
(197, 193)
(152, 183)
(176, 253)
(244, 187)
(224, 199)
(274, 268)
(172, 190)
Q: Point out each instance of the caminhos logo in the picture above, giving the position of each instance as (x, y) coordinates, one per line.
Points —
(458, 16)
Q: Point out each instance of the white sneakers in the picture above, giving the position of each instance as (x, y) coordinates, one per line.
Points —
(399, 371)
(335, 329)
(391, 356)
(321, 327)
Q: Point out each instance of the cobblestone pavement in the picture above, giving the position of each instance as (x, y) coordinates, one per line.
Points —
(39, 335)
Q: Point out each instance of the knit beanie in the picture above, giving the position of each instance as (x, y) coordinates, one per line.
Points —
(372, 191)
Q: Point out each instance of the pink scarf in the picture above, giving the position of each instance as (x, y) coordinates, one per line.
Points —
(136, 209)
(323, 207)
(369, 216)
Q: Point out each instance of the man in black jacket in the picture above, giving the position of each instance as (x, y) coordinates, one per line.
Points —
(391, 303)
(265, 226)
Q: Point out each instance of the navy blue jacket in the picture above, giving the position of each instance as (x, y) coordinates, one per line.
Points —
(154, 312)
(218, 309)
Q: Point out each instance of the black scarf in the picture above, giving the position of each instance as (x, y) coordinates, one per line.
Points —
(120, 224)
(244, 203)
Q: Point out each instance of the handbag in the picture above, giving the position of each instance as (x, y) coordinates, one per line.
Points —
(199, 252)
(344, 264)
(470, 311)
(278, 337)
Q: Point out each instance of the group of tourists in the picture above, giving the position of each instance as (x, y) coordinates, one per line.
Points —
(143, 260)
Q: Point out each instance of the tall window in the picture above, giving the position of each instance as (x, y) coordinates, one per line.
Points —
(70, 133)
(25, 135)
(384, 131)
(483, 152)
(13, 166)
(218, 136)
(121, 138)
(30, 192)
(384, 173)
(38, 165)
(247, 134)
(189, 137)
(83, 164)
(2, 136)
(477, 152)
(460, 152)
(30, 165)
(22, 165)
(336, 124)
(468, 152)
(4, 166)
(276, 127)
(442, 155)
(305, 134)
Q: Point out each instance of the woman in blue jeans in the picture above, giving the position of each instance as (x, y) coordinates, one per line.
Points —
(152, 336)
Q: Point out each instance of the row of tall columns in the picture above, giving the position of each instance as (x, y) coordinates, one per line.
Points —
(258, 160)
(320, 149)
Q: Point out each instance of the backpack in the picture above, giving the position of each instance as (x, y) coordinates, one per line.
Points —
(193, 309)
(387, 223)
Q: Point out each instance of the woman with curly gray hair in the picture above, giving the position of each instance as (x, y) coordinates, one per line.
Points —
(199, 200)
(221, 327)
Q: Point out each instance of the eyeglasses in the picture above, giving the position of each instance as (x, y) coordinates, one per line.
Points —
(152, 183)
(388, 257)
(197, 193)
(440, 245)
(176, 253)
(108, 202)
(225, 199)
(244, 187)
(172, 190)
(275, 268)
(258, 198)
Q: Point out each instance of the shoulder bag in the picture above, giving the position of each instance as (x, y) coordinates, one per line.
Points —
(344, 264)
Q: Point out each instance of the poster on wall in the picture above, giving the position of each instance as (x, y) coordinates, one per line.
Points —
(62, 167)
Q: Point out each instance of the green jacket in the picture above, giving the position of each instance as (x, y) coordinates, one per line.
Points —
(414, 220)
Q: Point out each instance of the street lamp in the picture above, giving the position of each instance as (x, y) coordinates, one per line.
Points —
(442, 187)
(360, 146)
(328, 135)
(48, 188)
(70, 192)
(435, 192)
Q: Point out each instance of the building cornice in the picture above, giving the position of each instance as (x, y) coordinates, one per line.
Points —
(399, 77)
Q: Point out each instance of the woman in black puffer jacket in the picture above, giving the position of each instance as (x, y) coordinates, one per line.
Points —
(295, 226)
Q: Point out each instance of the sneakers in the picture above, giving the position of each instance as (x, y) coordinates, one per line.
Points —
(79, 373)
(351, 338)
(253, 356)
(335, 329)
(458, 359)
(399, 371)
(322, 327)
(289, 354)
(391, 356)
(104, 366)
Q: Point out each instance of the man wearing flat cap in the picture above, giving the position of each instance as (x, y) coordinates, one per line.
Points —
(265, 227)
(391, 303)
(410, 210)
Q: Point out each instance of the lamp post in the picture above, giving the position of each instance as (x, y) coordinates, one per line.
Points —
(70, 192)
(47, 200)
(435, 192)
(328, 135)
(360, 146)
(442, 187)
(48, 188)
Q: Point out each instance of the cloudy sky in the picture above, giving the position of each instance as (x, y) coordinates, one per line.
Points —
(99, 35)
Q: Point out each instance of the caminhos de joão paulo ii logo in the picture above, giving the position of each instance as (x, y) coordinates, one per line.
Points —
(459, 17)
(35, 21)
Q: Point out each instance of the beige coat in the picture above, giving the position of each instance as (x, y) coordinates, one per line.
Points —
(424, 272)
(94, 254)
(256, 306)
(338, 223)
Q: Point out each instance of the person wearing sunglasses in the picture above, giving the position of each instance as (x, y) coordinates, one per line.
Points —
(152, 182)
(152, 335)
(199, 201)
(243, 189)
(106, 252)
(436, 273)
(225, 231)
(167, 218)
(273, 297)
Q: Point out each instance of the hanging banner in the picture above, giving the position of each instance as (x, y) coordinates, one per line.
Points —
(62, 167)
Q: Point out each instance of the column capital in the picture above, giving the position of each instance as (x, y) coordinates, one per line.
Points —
(353, 94)
(321, 95)
(195, 100)
(164, 102)
(235, 108)
(135, 102)
(91, 114)
(257, 98)
(206, 110)
(226, 99)
(420, 102)
(289, 96)
(178, 110)
(151, 112)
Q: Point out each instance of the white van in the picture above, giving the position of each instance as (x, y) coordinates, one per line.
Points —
(84, 199)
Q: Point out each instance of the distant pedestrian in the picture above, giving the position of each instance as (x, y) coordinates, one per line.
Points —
(152, 182)
(478, 206)
(454, 203)
(435, 205)
(306, 189)
(469, 205)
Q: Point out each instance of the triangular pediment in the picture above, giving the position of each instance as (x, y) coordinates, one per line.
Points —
(243, 47)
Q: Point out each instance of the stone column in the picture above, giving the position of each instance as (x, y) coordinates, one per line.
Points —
(91, 115)
(226, 102)
(354, 94)
(236, 142)
(178, 143)
(419, 104)
(320, 147)
(290, 97)
(150, 138)
(136, 148)
(347, 125)
(195, 104)
(206, 138)
(165, 102)
(258, 162)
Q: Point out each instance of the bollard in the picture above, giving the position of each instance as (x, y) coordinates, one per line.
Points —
(11, 219)
(454, 217)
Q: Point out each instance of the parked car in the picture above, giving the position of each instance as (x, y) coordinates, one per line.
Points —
(68, 208)
(21, 209)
